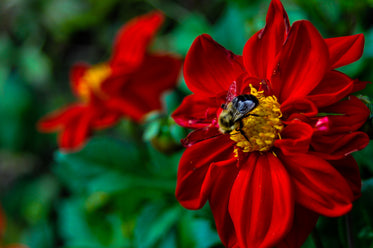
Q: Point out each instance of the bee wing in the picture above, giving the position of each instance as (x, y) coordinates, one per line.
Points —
(237, 115)
(232, 93)
(242, 109)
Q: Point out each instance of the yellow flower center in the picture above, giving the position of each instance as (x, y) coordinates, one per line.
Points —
(261, 127)
(92, 80)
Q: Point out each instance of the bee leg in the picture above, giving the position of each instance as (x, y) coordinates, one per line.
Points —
(242, 132)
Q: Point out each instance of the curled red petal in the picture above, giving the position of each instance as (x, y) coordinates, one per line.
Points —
(337, 146)
(128, 107)
(318, 185)
(304, 222)
(359, 85)
(59, 118)
(298, 109)
(349, 169)
(295, 138)
(345, 50)
(140, 92)
(301, 64)
(333, 87)
(261, 202)
(195, 112)
(132, 40)
(105, 119)
(209, 68)
(193, 178)
(350, 115)
(76, 132)
(261, 49)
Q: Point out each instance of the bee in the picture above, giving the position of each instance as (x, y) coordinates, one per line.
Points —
(231, 117)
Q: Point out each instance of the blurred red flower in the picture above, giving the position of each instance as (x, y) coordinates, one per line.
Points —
(130, 84)
(2, 230)
(270, 168)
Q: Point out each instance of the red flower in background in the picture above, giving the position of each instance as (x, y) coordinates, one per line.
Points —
(129, 84)
(274, 132)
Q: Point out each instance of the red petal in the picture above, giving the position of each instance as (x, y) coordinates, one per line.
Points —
(261, 50)
(209, 68)
(132, 40)
(58, 119)
(301, 64)
(345, 50)
(129, 107)
(138, 93)
(76, 132)
(295, 138)
(194, 174)
(201, 134)
(353, 113)
(359, 85)
(299, 108)
(333, 87)
(195, 112)
(261, 202)
(304, 222)
(318, 186)
(76, 73)
(332, 147)
(105, 119)
(349, 169)
(2, 222)
(219, 200)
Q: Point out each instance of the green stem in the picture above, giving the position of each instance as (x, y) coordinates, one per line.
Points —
(350, 239)
(316, 238)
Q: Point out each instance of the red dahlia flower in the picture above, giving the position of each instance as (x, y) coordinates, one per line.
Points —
(274, 132)
(129, 84)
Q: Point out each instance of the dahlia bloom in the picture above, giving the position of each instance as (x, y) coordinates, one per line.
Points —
(129, 84)
(270, 173)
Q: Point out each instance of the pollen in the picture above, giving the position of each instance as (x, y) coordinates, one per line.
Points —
(91, 81)
(261, 127)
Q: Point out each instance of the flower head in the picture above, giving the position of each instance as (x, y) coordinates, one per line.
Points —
(274, 130)
(129, 84)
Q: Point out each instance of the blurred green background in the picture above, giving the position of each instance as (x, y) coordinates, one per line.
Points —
(119, 190)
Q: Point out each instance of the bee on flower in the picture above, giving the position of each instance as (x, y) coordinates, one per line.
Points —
(129, 85)
(274, 132)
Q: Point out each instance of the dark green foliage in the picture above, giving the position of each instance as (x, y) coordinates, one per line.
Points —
(119, 190)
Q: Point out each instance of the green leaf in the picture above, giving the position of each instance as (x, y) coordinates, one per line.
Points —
(107, 165)
(154, 223)
(34, 65)
(152, 129)
(39, 236)
(188, 29)
(229, 31)
(196, 231)
(91, 230)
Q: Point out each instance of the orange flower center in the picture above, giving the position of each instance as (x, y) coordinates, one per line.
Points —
(91, 81)
(261, 127)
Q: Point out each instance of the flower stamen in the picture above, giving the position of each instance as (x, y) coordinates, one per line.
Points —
(261, 127)
(91, 81)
